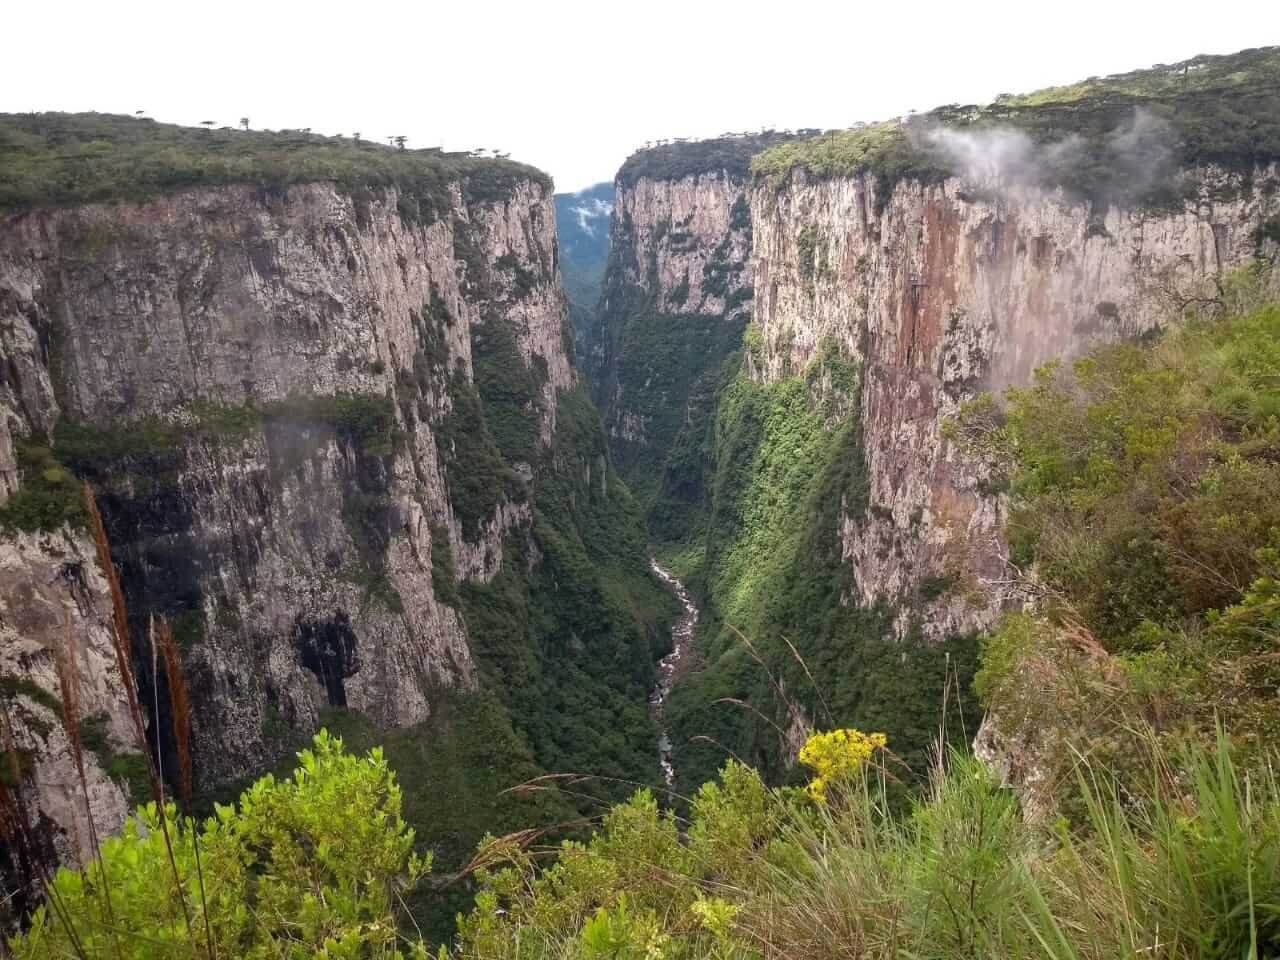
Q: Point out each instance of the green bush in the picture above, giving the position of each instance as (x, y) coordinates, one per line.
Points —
(310, 865)
(49, 495)
(1142, 481)
(1167, 870)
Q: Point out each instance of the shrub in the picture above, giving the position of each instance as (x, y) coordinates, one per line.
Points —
(49, 495)
(312, 863)
(1161, 867)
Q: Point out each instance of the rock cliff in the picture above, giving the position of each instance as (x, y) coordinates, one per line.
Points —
(676, 301)
(937, 294)
(881, 277)
(312, 413)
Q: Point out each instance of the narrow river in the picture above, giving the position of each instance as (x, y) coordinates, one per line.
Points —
(669, 666)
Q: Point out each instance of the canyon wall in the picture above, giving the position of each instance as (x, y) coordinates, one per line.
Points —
(676, 301)
(846, 523)
(939, 291)
(308, 412)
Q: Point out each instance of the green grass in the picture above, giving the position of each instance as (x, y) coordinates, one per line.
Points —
(59, 159)
(1161, 867)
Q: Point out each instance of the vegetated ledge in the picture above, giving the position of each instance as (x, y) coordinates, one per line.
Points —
(61, 159)
(1219, 110)
(677, 159)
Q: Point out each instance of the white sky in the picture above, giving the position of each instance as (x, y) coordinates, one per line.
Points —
(573, 87)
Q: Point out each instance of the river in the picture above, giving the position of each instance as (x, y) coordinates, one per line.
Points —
(669, 667)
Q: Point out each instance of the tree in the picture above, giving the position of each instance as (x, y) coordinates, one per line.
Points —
(356, 137)
(209, 124)
(308, 866)
(399, 141)
(244, 122)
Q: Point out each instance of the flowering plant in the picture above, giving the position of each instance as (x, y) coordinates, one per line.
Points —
(836, 754)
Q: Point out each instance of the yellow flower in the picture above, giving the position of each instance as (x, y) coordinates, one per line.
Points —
(836, 754)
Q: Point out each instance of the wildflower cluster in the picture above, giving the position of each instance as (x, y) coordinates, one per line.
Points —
(836, 754)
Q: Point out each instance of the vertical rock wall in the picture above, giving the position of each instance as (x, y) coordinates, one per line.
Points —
(267, 389)
(939, 294)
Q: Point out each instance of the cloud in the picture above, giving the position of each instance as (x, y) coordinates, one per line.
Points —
(591, 214)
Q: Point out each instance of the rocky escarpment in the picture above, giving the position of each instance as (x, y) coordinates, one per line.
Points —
(937, 291)
(894, 272)
(676, 301)
(309, 413)
(55, 603)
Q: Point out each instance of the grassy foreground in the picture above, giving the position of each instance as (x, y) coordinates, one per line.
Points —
(1183, 863)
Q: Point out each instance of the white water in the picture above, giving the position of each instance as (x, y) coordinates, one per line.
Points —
(669, 666)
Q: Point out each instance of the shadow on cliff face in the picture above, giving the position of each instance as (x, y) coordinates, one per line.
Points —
(328, 649)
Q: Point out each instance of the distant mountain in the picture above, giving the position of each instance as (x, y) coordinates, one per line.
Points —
(582, 221)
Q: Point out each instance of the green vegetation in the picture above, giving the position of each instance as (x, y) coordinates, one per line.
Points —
(1142, 490)
(779, 631)
(1143, 484)
(321, 864)
(365, 420)
(456, 773)
(569, 645)
(664, 369)
(58, 159)
(1168, 871)
(1222, 110)
(882, 148)
(508, 388)
(127, 768)
(12, 687)
(50, 495)
(443, 575)
(477, 476)
(311, 865)
(677, 160)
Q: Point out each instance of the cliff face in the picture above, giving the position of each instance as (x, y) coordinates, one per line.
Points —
(676, 301)
(809, 490)
(689, 240)
(276, 395)
(54, 601)
(938, 294)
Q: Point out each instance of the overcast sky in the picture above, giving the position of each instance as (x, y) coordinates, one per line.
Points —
(574, 87)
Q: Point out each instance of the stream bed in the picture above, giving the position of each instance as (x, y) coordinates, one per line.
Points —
(669, 667)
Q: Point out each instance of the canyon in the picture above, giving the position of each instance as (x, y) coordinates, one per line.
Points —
(349, 439)
(320, 422)
(778, 353)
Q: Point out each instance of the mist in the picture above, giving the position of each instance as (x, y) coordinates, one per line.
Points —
(1128, 161)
